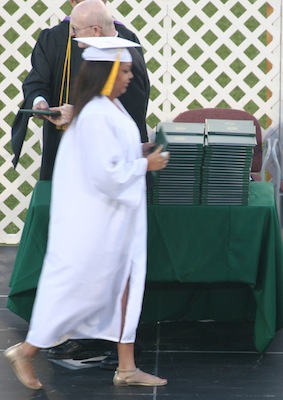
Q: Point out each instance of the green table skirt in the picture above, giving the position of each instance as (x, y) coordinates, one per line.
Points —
(204, 262)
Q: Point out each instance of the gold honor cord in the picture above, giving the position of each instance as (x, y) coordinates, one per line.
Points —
(108, 87)
(66, 78)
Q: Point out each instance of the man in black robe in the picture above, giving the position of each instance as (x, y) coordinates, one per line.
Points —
(47, 81)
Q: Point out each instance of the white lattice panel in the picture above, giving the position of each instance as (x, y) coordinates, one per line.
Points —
(199, 53)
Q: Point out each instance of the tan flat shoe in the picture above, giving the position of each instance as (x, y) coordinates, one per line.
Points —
(22, 366)
(136, 377)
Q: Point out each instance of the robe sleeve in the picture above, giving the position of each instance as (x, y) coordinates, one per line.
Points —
(32, 87)
(115, 169)
(45, 60)
(38, 82)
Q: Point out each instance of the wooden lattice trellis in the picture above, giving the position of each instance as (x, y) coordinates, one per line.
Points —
(199, 53)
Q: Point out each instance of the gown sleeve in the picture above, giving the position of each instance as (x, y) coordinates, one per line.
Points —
(117, 169)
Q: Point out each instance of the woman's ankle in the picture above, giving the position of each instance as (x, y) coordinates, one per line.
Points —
(27, 350)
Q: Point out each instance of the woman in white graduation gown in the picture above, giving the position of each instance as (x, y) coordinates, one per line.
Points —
(92, 280)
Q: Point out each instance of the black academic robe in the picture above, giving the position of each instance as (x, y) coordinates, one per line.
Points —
(45, 80)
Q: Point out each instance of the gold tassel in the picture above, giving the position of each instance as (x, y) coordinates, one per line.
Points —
(65, 79)
(108, 87)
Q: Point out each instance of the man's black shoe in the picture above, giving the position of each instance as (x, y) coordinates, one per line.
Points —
(77, 350)
(111, 361)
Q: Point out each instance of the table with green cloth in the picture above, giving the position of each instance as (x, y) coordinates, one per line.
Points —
(204, 262)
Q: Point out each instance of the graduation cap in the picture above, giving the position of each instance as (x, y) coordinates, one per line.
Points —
(108, 48)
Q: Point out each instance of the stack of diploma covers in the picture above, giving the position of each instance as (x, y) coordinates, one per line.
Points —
(209, 163)
(227, 161)
(179, 182)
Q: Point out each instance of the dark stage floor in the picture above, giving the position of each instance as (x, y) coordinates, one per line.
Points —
(202, 361)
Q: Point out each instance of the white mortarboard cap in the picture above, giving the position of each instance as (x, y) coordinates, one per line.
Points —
(105, 48)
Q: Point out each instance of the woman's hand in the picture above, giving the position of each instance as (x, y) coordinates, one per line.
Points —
(157, 160)
(147, 148)
(66, 115)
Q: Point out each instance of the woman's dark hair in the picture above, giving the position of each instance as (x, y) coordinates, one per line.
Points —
(89, 83)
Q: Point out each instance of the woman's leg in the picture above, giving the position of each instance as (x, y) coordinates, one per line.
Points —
(127, 373)
(126, 356)
(20, 357)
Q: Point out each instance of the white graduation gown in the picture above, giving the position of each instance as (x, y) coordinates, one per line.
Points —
(97, 231)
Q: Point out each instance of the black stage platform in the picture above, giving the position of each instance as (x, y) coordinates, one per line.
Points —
(202, 361)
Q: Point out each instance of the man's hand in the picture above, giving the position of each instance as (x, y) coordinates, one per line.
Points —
(41, 105)
(66, 115)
